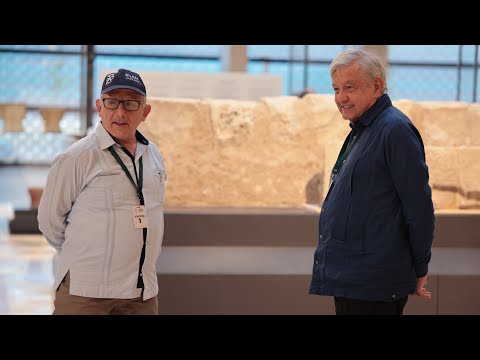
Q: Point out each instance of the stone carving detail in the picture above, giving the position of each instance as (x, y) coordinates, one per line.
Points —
(314, 190)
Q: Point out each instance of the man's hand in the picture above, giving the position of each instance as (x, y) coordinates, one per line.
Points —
(421, 291)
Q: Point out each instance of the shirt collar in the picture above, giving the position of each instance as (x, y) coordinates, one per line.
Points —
(105, 139)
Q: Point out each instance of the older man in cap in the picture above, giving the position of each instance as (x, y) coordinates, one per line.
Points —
(102, 209)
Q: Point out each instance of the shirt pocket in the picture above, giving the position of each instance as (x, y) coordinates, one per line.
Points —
(154, 185)
(106, 190)
(162, 177)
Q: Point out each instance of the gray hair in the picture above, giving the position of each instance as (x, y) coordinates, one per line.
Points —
(370, 64)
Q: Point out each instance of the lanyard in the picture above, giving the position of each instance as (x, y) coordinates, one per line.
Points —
(346, 148)
(139, 178)
(138, 187)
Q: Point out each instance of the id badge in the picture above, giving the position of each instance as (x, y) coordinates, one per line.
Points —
(139, 216)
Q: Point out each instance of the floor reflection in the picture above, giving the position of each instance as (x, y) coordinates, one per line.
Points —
(26, 275)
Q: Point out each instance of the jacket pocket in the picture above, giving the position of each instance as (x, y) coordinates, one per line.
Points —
(334, 258)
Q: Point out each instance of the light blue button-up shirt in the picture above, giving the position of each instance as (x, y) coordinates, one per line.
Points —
(86, 214)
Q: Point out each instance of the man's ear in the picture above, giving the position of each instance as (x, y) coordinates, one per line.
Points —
(146, 111)
(98, 105)
(378, 86)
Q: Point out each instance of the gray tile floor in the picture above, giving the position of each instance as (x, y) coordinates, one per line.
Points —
(26, 275)
(26, 266)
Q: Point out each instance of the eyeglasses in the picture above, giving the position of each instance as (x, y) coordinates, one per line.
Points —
(129, 105)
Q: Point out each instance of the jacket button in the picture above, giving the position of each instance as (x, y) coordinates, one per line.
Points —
(394, 296)
(316, 262)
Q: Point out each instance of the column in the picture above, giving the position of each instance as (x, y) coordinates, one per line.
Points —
(234, 58)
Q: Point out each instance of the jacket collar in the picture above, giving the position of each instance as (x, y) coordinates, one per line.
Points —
(371, 114)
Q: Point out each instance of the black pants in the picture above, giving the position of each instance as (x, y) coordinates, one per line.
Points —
(344, 306)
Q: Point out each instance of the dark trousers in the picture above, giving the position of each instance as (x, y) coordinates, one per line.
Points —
(344, 306)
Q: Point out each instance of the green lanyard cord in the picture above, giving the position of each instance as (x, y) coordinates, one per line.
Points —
(140, 177)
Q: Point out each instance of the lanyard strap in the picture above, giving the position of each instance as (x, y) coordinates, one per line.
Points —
(139, 184)
(346, 148)
(140, 284)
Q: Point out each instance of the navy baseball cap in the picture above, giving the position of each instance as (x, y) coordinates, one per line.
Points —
(124, 79)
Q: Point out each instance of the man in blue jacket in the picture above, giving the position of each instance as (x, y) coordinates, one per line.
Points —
(377, 220)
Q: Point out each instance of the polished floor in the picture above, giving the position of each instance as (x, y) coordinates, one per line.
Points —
(26, 275)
